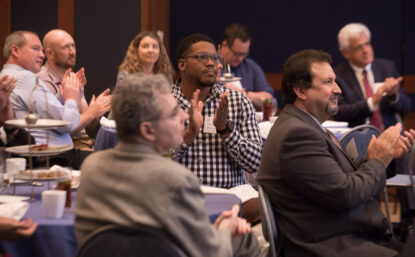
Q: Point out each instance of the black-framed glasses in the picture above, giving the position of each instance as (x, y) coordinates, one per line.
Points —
(204, 58)
(239, 54)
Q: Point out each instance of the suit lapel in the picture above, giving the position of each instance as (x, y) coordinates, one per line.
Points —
(376, 72)
(291, 109)
(353, 82)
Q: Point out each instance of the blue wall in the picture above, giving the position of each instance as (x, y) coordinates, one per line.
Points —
(283, 27)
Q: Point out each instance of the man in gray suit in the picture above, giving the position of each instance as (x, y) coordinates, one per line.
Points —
(324, 203)
(133, 183)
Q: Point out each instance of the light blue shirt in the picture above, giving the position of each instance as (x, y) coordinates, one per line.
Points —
(41, 97)
(253, 77)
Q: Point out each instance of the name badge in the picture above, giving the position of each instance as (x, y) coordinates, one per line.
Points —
(208, 126)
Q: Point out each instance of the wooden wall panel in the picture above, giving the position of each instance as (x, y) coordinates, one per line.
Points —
(5, 10)
(155, 15)
(66, 15)
(409, 83)
(274, 79)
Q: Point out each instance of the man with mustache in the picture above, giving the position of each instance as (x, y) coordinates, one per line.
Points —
(325, 204)
(60, 52)
(221, 139)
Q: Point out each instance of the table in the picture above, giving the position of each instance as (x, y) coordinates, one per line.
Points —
(335, 127)
(56, 237)
(106, 138)
(53, 237)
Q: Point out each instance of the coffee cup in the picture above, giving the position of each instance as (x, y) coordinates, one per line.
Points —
(14, 165)
(53, 202)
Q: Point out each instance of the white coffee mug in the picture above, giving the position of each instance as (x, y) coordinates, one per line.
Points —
(53, 202)
(14, 165)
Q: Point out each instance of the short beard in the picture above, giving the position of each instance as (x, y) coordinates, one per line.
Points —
(63, 65)
(332, 110)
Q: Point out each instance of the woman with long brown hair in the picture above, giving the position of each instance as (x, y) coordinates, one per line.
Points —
(146, 53)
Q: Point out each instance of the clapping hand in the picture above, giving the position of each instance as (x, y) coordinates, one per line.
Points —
(405, 143)
(100, 105)
(7, 85)
(81, 77)
(70, 86)
(229, 220)
(195, 119)
(221, 113)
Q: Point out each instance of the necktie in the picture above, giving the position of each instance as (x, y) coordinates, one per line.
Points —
(333, 139)
(375, 119)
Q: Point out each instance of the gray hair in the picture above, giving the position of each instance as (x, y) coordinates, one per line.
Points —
(135, 100)
(16, 38)
(351, 30)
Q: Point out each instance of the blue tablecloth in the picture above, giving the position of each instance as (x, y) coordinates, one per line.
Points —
(53, 237)
(106, 138)
(56, 238)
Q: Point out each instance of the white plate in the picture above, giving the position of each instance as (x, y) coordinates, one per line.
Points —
(12, 198)
(41, 123)
(23, 150)
(335, 124)
(224, 80)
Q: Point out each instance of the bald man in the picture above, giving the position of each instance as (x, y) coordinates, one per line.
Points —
(60, 52)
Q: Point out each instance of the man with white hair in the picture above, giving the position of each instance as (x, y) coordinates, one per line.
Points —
(371, 86)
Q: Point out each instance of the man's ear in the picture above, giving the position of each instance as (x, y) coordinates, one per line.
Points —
(14, 51)
(48, 52)
(300, 92)
(181, 64)
(147, 131)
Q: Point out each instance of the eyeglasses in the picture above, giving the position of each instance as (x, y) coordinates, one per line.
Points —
(239, 54)
(361, 46)
(204, 58)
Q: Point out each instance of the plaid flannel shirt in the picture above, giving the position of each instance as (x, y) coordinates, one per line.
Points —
(219, 162)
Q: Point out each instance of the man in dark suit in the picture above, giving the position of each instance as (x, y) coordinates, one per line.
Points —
(325, 204)
(371, 92)
(370, 87)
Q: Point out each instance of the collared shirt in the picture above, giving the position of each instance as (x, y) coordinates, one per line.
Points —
(52, 81)
(373, 85)
(314, 118)
(371, 78)
(215, 161)
(43, 103)
(252, 76)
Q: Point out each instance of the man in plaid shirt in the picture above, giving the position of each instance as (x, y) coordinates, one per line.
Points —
(221, 139)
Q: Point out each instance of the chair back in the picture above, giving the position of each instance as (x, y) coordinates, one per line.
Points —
(269, 225)
(143, 241)
(356, 141)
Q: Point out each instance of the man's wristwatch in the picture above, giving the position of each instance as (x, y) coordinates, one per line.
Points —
(227, 129)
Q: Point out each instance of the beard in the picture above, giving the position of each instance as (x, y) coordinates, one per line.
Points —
(332, 109)
(65, 64)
